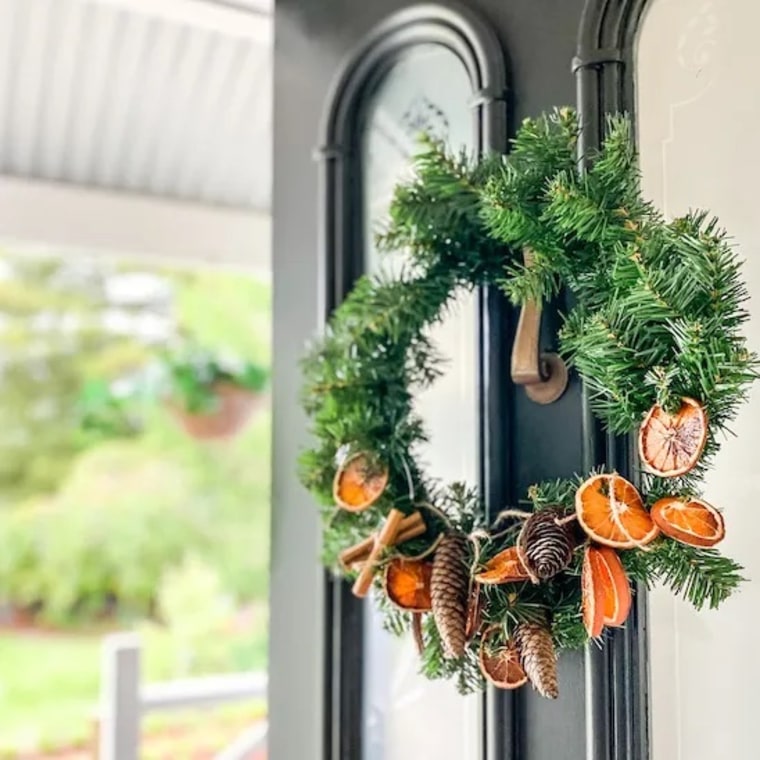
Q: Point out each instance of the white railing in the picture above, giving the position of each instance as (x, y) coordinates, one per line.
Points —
(124, 701)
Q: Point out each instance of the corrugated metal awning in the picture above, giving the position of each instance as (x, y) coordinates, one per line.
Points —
(165, 98)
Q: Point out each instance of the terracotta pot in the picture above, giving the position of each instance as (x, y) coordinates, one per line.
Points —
(234, 408)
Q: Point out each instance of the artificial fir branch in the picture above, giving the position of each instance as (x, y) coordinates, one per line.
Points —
(435, 218)
(462, 505)
(553, 493)
(395, 621)
(567, 626)
(702, 576)
(435, 665)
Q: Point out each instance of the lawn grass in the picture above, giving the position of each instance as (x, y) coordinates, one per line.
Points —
(49, 684)
(48, 688)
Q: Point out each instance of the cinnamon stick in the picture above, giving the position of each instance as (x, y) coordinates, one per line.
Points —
(355, 563)
(414, 530)
(417, 632)
(387, 534)
(411, 526)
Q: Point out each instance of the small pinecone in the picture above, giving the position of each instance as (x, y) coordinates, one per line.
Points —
(539, 660)
(448, 590)
(545, 547)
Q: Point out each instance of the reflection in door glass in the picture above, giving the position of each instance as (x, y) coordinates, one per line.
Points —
(698, 111)
(426, 90)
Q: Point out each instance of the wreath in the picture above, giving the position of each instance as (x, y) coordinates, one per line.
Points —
(655, 333)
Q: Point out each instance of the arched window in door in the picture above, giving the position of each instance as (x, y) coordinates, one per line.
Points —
(437, 71)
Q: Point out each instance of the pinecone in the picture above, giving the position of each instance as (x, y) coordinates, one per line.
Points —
(539, 660)
(545, 547)
(449, 589)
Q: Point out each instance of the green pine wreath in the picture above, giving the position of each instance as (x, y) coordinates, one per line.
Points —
(655, 333)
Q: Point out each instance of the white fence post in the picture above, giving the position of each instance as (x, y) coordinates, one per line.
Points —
(120, 708)
(124, 700)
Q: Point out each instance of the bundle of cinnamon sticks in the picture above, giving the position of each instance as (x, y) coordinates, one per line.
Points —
(395, 530)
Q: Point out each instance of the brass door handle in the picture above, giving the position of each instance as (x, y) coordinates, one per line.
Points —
(543, 375)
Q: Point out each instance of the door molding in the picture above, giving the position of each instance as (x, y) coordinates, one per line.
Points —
(604, 62)
(617, 677)
(466, 34)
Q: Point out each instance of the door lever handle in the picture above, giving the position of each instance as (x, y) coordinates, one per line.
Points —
(543, 375)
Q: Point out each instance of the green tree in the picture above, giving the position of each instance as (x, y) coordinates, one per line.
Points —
(62, 321)
(65, 323)
(74, 323)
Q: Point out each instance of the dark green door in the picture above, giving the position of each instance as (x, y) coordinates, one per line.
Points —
(353, 80)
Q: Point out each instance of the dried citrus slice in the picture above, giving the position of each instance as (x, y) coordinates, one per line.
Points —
(359, 483)
(692, 522)
(611, 511)
(505, 567)
(407, 584)
(671, 444)
(593, 593)
(500, 661)
(614, 581)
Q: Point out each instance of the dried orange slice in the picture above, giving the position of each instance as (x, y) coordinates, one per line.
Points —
(407, 584)
(505, 567)
(593, 593)
(359, 483)
(611, 511)
(500, 661)
(617, 589)
(693, 522)
(671, 444)
(605, 588)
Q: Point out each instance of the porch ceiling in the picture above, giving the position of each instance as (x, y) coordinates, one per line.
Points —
(165, 98)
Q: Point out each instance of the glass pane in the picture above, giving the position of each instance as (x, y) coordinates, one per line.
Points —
(426, 90)
(698, 112)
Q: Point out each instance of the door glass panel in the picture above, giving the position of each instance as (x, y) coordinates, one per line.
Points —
(698, 110)
(428, 89)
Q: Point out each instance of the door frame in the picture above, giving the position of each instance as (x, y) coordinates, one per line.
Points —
(617, 676)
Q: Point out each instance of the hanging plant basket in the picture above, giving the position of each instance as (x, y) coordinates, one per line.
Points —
(212, 395)
(233, 408)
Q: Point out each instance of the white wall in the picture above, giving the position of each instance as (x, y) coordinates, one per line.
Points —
(698, 111)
